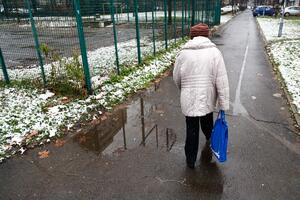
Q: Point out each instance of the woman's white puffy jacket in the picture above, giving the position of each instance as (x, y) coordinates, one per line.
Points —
(201, 76)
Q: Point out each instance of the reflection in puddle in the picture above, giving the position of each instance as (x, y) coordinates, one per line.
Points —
(207, 178)
(127, 128)
(171, 138)
(101, 136)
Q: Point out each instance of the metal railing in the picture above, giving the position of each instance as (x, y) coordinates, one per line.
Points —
(86, 26)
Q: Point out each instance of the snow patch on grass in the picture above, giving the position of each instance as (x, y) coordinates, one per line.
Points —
(286, 55)
(270, 27)
(285, 52)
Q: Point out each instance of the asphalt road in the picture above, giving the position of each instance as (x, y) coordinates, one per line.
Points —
(113, 161)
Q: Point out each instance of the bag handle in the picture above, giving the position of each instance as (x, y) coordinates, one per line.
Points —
(221, 115)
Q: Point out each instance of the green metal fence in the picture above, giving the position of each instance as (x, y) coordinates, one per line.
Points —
(109, 35)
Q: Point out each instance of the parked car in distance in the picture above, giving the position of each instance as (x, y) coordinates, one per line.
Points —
(226, 9)
(292, 10)
(229, 8)
(263, 11)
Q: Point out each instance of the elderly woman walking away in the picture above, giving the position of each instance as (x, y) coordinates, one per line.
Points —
(201, 77)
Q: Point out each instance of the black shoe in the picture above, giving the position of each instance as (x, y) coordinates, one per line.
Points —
(190, 165)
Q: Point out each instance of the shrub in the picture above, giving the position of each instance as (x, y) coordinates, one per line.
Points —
(66, 76)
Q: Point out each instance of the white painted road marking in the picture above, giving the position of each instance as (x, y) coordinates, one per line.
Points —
(238, 108)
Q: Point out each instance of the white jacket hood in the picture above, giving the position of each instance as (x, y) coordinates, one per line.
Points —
(199, 43)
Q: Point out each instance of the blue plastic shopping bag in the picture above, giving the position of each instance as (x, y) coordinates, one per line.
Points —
(219, 137)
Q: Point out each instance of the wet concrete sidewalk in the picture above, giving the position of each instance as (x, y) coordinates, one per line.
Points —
(137, 151)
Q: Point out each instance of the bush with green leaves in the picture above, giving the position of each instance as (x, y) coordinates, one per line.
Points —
(66, 76)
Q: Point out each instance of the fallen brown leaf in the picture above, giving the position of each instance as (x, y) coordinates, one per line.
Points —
(32, 133)
(65, 100)
(94, 121)
(82, 139)
(59, 143)
(103, 118)
(44, 154)
(119, 150)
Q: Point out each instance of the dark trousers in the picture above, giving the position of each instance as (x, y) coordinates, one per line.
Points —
(192, 134)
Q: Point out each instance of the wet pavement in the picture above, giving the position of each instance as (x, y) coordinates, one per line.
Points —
(136, 152)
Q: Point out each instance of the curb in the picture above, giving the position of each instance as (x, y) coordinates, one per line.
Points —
(280, 78)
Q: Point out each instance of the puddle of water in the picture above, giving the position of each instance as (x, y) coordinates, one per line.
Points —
(130, 127)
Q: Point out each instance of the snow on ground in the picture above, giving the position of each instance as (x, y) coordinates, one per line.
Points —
(101, 61)
(31, 117)
(285, 52)
(270, 27)
(226, 18)
(127, 53)
(143, 16)
(25, 111)
(287, 57)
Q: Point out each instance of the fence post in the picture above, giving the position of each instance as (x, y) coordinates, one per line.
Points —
(182, 18)
(198, 12)
(112, 12)
(165, 24)
(145, 7)
(36, 41)
(193, 12)
(185, 12)
(206, 12)
(218, 12)
(4, 67)
(127, 9)
(174, 21)
(153, 27)
(155, 14)
(137, 29)
(82, 46)
(189, 14)
(202, 8)
(116, 11)
(211, 10)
